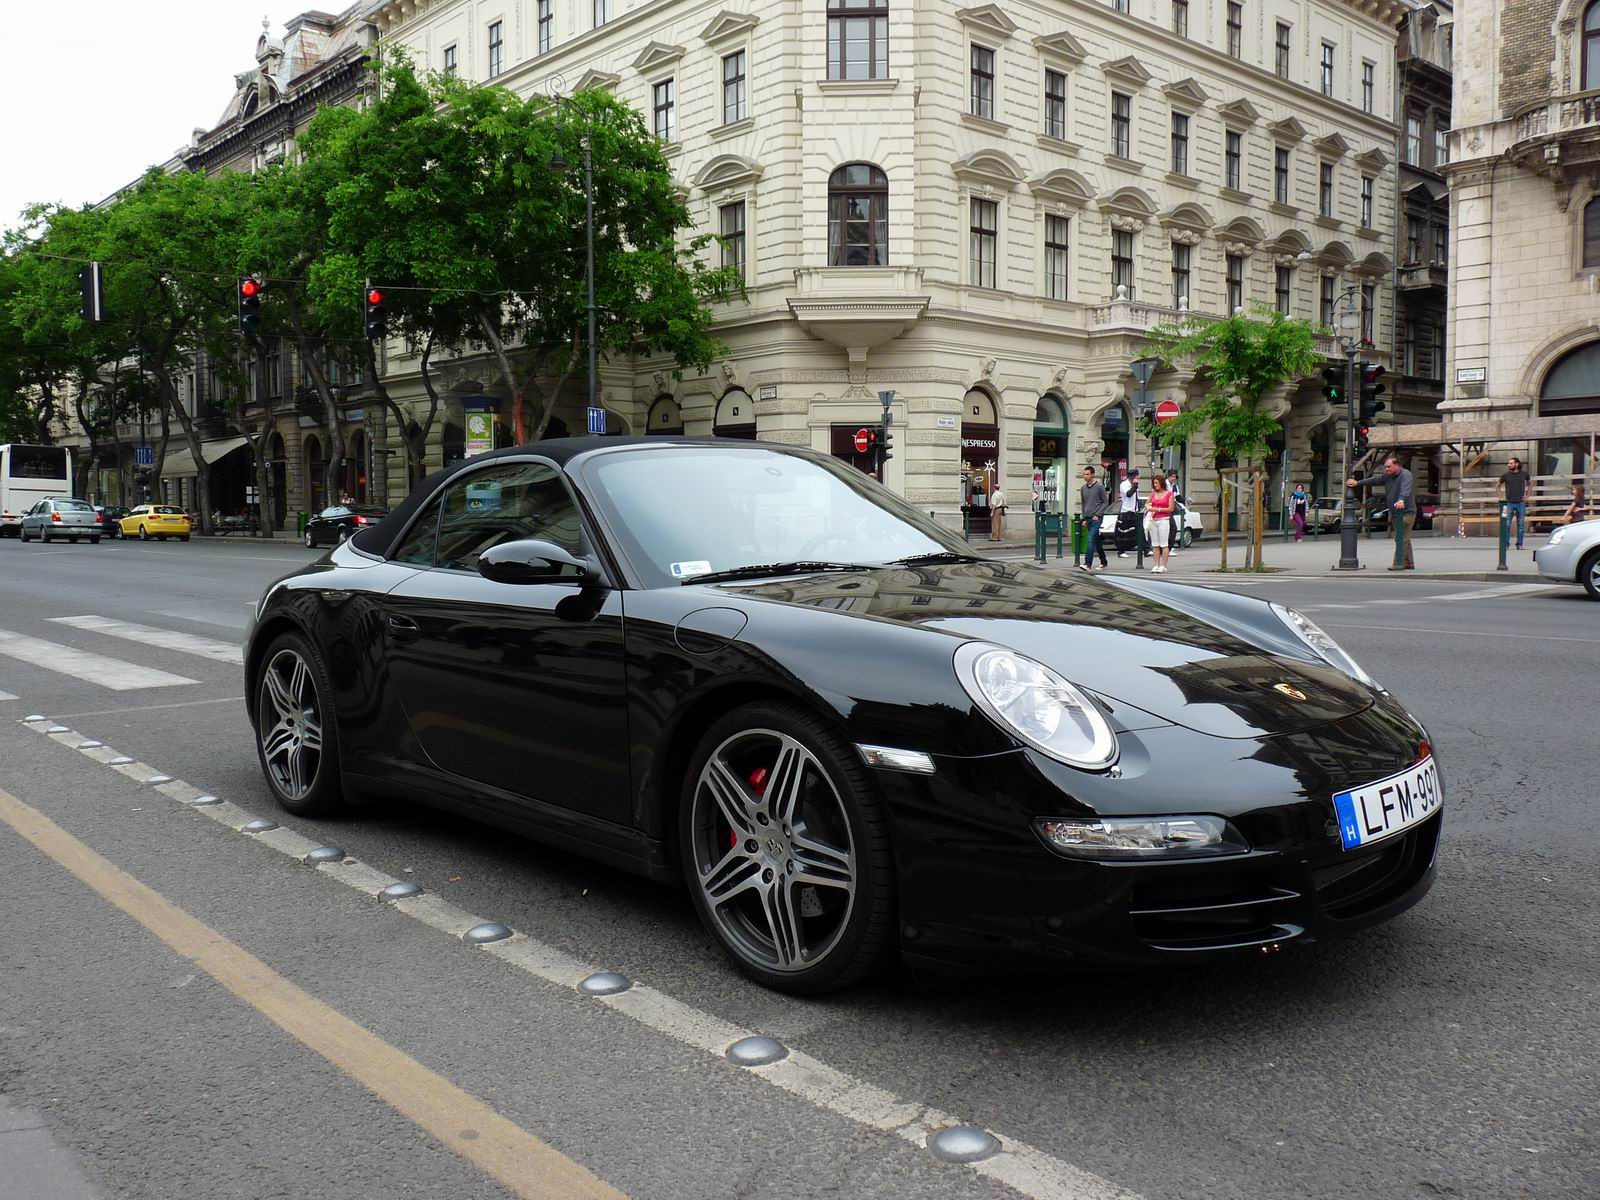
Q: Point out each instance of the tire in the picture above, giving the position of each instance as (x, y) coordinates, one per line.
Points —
(73, 538)
(144, 533)
(736, 847)
(1589, 574)
(44, 536)
(1187, 539)
(344, 535)
(183, 537)
(94, 540)
(297, 741)
(311, 542)
(22, 535)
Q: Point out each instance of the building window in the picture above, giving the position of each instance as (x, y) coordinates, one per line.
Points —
(1414, 141)
(450, 60)
(1441, 147)
(858, 217)
(1233, 159)
(1591, 46)
(1280, 175)
(1181, 256)
(1120, 5)
(663, 97)
(1591, 233)
(1057, 250)
(547, 25)
(733, 88)
(1408, 343)
(497, 49)
(985, 235)
(1121, 262)
(1441, 245)
(1180, 17)
(858, 39)
(1367, 185)
(1235, 283)
(1329, 283)
(1281, 52)
(1325, 190)
(1369, 85)
(731, 221)
(1121, 124)
(1235, 30)
(1327, 68)
(983, 82)
(1055, 104)
(1180, 144)
(1413, 239)
(602, 12)
(1369, 306)
(1283, 290)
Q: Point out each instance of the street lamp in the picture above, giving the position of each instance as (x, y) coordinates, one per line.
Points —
(560, 165)
(1349, 530)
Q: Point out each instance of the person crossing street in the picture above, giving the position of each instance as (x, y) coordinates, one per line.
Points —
(1399, 495)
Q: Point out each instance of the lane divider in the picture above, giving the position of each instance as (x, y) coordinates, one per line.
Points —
(1025, 1169)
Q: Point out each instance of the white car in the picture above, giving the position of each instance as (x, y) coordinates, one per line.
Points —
(1189, 527)
(1572, 555)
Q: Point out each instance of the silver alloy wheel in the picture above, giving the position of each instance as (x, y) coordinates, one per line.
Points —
(773, 853)
(291, 743)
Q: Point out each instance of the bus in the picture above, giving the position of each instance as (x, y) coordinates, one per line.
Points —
(28, 474)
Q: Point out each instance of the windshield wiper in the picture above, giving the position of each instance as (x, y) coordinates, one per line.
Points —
(767, 570)
(937, 556)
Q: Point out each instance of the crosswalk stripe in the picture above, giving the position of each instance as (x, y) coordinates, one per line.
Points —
(149, 635)
(112, 673)
(7, 696)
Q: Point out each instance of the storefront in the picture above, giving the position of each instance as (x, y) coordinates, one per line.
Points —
(1049, 455)
(1116, 427)
(736, 416)
(980, 458)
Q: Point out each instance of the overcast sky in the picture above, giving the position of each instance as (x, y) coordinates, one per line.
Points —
(95, 91)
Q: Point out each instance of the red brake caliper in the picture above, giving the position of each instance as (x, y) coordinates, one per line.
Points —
(758, 781)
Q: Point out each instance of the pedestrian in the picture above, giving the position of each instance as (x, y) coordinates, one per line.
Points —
(1180, 510)
(1299, 507)
(1092, 503)
(1399, 495)
(1578, 510)
(1160, 507)
(1512, 488)
(997, 514)
(1128, 512)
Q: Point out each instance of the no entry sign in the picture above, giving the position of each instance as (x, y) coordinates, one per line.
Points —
(862, 441)
(1167, 410)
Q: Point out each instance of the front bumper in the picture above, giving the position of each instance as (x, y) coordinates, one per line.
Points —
(1559, 561)
(980, 890)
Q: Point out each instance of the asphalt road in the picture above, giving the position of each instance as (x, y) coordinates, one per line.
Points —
(1447, 1054)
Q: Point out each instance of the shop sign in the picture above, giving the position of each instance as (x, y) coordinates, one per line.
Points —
(1045, 446)
(980, 443)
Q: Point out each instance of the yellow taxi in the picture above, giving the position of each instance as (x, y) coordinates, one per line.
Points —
(146, 521)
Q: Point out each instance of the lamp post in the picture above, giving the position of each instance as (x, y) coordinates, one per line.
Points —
(1349, 530)
(558, 163)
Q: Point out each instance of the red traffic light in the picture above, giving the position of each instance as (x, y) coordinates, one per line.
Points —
(374, 296)
(249, 288)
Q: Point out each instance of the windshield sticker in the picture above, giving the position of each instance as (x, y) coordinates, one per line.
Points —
(483, 497)
(683, 570)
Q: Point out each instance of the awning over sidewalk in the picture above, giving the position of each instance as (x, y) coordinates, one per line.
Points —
(179, 463)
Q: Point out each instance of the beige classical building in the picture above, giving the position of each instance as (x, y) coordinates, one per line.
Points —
(1524, 361)
(982, 209)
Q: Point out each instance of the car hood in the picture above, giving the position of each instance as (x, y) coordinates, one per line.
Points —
(1156, 654)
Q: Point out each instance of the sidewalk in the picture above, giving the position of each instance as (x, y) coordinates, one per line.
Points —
(1470, 559)
(33, 1164)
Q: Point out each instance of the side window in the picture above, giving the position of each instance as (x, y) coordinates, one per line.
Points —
(338, 510)
(504, 504)
(417, 548)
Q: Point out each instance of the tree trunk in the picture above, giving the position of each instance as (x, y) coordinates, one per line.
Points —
(86, 462)
(561, 386)
(172, 405)
(330, 408)
(415, 448)
(492, 336)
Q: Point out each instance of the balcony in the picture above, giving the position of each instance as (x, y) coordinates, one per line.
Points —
(1123, 315)
(1560, 134)
(1421, 277)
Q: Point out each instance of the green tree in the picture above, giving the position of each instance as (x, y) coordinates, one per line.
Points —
(1242, 358)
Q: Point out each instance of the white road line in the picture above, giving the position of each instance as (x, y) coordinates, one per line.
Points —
(149, 635)
(1029, 1171)
(112, 673)
(1523, 637)
(111, 712)
(7, 696)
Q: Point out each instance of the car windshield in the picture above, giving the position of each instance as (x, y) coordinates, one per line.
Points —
(73, 506)
(168, 510)
(686, 511)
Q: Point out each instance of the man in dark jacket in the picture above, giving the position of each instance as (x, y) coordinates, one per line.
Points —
(1400, 497)
(1092, 503)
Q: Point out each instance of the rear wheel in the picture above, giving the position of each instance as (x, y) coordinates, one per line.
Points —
(94, 539)
(73, 538)
(785, 848)
(144, 534)
(1187, 539)
(296, 740)
(1589, 574)
(44, 535)
(344, 533)
(183, 537)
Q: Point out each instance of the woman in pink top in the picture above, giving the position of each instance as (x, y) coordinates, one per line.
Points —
(1160, 509)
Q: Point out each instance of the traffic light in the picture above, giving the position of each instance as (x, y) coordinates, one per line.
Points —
(92, 283)
(1363, 431)
(250, 289)
(885, 446)
(1371, 388)
(1333, 384)
(377, 319)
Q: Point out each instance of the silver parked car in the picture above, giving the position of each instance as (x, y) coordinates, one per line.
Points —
(1572, 555)
(61, 517)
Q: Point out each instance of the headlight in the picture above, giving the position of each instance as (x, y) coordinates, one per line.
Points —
(1037, 705)
(1325, 648)
(1557, 535)
(1142, 837)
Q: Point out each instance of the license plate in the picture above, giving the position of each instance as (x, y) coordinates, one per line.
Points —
(1378, 810)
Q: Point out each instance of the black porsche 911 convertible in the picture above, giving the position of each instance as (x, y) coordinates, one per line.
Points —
(750, 668)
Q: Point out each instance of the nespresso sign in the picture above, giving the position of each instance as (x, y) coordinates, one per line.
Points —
(980, 443)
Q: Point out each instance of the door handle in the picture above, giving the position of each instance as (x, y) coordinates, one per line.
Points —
(401, 629)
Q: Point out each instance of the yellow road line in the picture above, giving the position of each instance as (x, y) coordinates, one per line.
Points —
(524, 1165)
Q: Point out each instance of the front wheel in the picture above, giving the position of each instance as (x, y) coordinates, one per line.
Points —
(296, 740)
(22, 536)
(183, 537)
(311, 542)
(785, 847)
(1589, 574)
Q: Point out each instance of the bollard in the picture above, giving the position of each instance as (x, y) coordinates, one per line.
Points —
(1138, 529)
(1077, 539)
(1505, 536)
(1038, 536)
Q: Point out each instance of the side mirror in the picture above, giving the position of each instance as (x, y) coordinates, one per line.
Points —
(532, 560)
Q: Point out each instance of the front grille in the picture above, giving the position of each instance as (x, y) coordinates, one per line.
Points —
(1218, 915)
(1355, 886)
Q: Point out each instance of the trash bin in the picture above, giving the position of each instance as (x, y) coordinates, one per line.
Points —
(300, 520)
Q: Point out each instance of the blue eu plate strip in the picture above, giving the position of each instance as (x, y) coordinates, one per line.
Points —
(1349, 831)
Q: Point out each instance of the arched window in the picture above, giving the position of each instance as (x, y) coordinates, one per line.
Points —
(1591, 46)
(858, 216)
(1573, 384)
(1591, 221)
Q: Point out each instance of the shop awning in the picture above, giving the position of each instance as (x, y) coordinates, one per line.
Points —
(179, 463)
